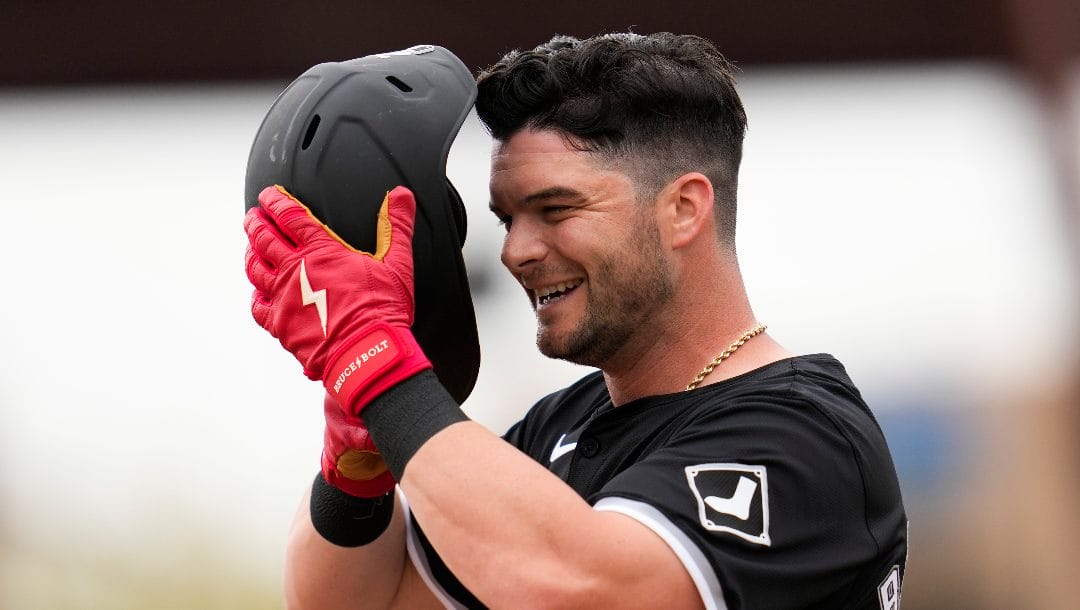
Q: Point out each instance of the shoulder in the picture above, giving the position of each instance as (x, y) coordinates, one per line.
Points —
(802, 416)
(805, 395)
(797, 431)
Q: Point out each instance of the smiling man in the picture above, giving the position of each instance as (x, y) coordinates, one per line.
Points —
(702, 465)
(569, 225)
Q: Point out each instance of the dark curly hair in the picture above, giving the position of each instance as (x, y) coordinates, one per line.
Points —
(654, 106)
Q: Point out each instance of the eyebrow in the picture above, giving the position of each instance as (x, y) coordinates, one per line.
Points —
(554, 192)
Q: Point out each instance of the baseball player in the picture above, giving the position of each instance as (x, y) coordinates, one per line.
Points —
(702, 465)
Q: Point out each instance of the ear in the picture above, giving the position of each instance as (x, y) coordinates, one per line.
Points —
(688, 207)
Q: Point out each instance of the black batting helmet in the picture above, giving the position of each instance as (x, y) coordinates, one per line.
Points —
(342, 135)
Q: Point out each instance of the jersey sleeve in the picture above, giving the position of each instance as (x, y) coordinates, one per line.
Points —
(765, 506)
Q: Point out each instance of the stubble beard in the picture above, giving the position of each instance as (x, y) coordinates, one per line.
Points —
(625, 294)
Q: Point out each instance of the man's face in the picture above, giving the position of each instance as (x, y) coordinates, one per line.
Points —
(588, 254)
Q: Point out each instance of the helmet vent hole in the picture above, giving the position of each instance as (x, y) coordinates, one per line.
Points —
(310, 135)
(400, 84)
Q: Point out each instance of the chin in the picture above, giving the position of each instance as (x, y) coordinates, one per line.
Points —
(552, 346)
(568, 349)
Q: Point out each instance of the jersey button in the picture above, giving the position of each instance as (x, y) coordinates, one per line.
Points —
(590, 447)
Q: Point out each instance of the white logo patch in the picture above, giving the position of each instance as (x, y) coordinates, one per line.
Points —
(889, 590)
(732, 498)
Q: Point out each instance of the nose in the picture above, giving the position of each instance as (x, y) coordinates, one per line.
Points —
(523, 245)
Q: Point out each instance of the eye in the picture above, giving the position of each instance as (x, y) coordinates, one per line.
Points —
(503, 221)
(555, 209)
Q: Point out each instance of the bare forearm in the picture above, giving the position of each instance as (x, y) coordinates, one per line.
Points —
(319, 574)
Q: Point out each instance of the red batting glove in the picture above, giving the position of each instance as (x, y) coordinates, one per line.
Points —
(345, 314)
(350, 460)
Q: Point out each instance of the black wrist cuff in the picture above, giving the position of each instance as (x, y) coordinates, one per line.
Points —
(404, 417)
(347, 520)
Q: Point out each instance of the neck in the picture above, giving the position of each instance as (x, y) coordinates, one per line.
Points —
(698, 325)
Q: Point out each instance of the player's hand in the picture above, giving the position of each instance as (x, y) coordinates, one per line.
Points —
(350, 461)
(345, 314)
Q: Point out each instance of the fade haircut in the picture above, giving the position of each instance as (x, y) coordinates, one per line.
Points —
(655, 107)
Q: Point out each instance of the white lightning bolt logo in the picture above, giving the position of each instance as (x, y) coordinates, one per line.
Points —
(318, 297)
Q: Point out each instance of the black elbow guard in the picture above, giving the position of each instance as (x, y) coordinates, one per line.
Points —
(347, 520)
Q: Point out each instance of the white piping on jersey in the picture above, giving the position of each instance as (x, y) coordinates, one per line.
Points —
(692, 558)
(708, 585)
(419, 558)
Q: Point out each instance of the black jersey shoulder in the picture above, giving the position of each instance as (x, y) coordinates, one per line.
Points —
(567, 406)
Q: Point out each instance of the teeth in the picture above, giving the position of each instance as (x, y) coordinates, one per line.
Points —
(560, 287)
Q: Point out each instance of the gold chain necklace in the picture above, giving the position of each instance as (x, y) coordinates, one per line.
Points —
(724, 355)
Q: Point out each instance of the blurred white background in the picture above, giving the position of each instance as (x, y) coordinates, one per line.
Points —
(154, 441)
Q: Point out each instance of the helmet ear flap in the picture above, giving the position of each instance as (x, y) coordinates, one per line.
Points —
(457, 209)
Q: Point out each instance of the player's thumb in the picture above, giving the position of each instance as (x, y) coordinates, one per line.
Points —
(396, 219)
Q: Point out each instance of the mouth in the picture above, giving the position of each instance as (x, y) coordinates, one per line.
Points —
(555, 292)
